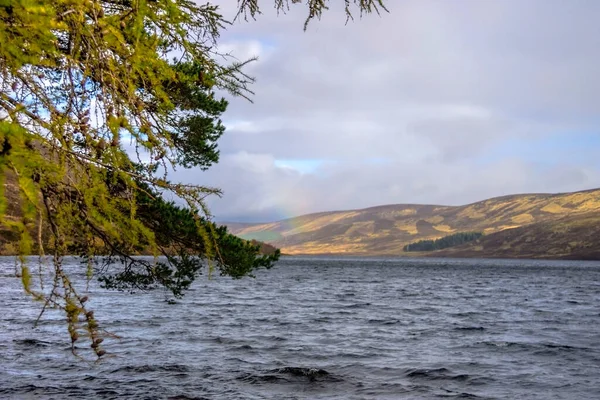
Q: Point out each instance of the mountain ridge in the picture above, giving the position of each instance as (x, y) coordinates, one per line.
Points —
(386, 229)
(505, 196)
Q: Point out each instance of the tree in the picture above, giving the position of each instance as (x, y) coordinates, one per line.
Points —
(455, 239)
(99, 101)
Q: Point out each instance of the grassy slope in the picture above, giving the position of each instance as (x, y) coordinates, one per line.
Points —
(385, 230)
(570, 237)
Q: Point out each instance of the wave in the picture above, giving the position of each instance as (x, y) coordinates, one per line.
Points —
(152, 368)
(436, 374)
(290, 374)
(470, 328)
(384, 321)
(534, 346)
(32, 342)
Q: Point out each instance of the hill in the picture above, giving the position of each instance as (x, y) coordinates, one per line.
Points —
(571, 237)
(564, 225)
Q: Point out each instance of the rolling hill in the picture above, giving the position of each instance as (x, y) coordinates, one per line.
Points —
(565, 225)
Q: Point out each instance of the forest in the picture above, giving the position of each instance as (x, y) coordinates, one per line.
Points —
(443, 243)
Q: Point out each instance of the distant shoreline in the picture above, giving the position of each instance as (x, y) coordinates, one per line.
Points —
(434, 256)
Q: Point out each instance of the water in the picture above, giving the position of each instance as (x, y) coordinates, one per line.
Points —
(325, 328)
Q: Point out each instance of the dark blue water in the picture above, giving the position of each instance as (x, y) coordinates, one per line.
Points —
(324, 328)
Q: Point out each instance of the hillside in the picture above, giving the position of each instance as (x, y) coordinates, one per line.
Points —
(571, 237)
(529, 225)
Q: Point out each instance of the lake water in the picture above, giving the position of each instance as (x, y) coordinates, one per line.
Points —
(326, 328)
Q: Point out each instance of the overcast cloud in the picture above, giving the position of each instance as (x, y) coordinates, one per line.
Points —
(440, 102)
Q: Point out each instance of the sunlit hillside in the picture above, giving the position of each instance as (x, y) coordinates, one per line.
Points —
(385, 230)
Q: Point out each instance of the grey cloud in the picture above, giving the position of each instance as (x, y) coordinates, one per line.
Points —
(492, 54)
(279, 193)
(429, 89)
(461, 137)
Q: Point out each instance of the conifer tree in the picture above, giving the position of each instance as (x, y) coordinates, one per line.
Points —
(99, 99)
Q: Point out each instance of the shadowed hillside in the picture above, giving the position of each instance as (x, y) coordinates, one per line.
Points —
(385, 230)
(571, 237)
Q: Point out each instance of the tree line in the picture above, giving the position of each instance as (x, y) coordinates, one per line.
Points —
(443, 243)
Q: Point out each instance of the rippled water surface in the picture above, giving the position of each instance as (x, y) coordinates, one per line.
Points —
(324, 328)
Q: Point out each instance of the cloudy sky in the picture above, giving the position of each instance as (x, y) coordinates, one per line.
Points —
(443, 102)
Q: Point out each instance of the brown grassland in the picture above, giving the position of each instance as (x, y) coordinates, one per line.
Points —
(565, 225)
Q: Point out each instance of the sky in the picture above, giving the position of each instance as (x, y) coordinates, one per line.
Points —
(436, 102)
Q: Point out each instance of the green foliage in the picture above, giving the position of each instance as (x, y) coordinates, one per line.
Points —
(93, 112)
(195, 134)
(184, 239)
(443, 243)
